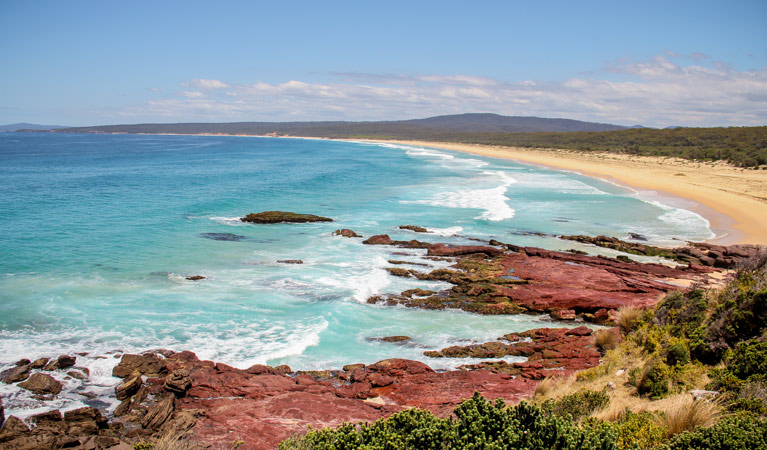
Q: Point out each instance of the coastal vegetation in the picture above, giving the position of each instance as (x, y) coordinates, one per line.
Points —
(647, 393)
(739, 146)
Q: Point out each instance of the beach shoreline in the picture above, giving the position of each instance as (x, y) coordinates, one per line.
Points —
(733, 200)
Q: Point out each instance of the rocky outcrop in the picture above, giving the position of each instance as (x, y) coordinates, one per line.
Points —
(384, 239)
(267, 217)
(414, 228)
(42, 384)
(548, 350)
(345, 232)
(80, 428)
(149, 364)
(461, 250)
(704, 254)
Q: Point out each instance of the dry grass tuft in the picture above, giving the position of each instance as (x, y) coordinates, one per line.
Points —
(605, 340)
(687, 415)
(177, 440)
(628, 316)
(546, 386)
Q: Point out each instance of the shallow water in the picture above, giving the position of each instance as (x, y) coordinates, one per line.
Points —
(100, 231)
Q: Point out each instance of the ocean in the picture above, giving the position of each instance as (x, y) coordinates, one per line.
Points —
(99, 232)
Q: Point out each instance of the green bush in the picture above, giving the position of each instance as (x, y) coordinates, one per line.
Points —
(747, 363)
(738, 432)
(655, 380)
(677, 354)
(480, 425)
(578, 404)
(639, 431)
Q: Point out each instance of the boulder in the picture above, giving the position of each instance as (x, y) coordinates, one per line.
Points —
(84, 421)
(379, 239)
(42, 384)
(39, 363)
(158, 414)
(178, 382)
(345, 232)
(129, 387)
(14, 374)
(62, 362)
(563, 314)
(148, 364)
(267, 217)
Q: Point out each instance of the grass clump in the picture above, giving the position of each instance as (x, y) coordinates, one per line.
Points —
(689, 415)
(579, 404)
(605, 340)
(628, 318)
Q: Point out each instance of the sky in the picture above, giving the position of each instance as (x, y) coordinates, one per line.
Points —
(655, 63)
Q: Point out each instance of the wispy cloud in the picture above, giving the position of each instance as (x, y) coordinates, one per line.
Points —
(670, 89)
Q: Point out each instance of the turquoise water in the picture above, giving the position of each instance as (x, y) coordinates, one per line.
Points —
(100, 231)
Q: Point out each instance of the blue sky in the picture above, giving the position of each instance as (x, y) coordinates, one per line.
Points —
(655, 63)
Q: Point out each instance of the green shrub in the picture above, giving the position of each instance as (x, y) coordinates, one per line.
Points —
(578, 404)
(738, 432)
(639, 431)
(480, 424)
(677, 354)
(655, 380)
(746, 363)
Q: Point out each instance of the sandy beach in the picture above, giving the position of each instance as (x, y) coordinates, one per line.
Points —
(733, 200)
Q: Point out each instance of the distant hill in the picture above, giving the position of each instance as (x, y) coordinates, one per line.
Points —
(29, 126)
(461, 123)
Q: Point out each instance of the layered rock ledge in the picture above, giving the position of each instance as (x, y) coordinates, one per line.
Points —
(267, 217)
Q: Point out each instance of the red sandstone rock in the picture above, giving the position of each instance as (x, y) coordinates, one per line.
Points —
(380, 239)
(459, 250)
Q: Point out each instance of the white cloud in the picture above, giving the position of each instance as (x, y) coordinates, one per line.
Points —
(659, 92)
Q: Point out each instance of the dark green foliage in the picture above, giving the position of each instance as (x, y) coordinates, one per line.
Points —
(579, 404)
(741, 314)
(655, 380)
(480, 424)
(677, 354)
(682, 312)
(747, 363)
(739, 432)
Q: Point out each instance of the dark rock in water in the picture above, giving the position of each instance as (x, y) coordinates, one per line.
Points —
(282, 217)
(196, 277)
(398, 272)
(42, 384)
(414, 228)
(2, 413)
(393, 339)
(563, 314)
(637, 237)
(39, 363)
(345, 232)
(290, 261)
(62, 362)
(14, 374)
(222, 236)
(23, 362)
(379, 239)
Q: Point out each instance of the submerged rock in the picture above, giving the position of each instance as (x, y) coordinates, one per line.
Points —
(393, 339)
(290, 261)
(196, 277)
(2, 413)
(345, 232)
(222, 236)
(266, 217)
(42, 384)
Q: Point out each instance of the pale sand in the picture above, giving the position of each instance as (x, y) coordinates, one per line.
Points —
(733, 200)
